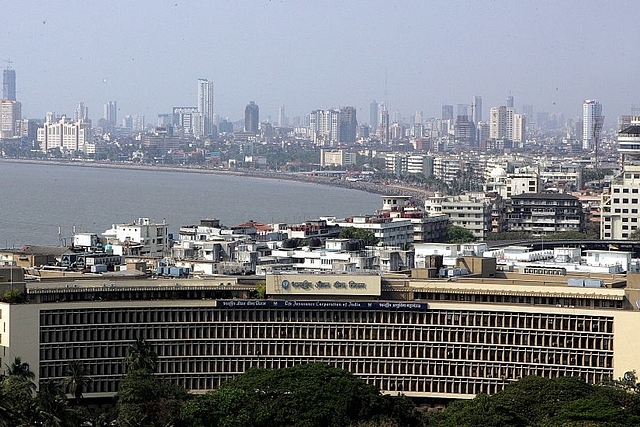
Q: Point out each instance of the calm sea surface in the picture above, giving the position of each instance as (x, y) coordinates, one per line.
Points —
(38, 200)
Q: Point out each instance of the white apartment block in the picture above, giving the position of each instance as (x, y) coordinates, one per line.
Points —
(64, 134)
(324, 126)
(471, 211)
(337, 158)
(10, 113)
(389, 232)
(621, 206)
(519, 134)
(141, 238)
(413, 164)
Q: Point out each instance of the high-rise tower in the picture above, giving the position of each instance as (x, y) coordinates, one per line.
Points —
(374, 115)
(9, 84)
(205, 106)
(476, 109)
(251, 118)
(592, 120)
(282, 117)
(110, 113)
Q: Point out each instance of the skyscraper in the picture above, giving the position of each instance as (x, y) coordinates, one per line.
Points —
(592, 120)
(251, 118)
(348, 124)
(205, 107)
(373, 115)
(498, 122)
(282, 118)
(384, 131)
(510, 101)
(447, 112)
(476, 109)
(110, 113)
(82, 113)
(9, 84)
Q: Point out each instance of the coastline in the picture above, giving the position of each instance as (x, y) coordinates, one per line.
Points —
(369, 187)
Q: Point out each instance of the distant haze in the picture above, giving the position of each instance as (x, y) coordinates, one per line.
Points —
(414, 55)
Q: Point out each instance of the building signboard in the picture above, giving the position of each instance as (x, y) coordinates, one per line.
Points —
(323, 284)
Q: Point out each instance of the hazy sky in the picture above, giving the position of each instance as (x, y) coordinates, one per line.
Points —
(416, 55)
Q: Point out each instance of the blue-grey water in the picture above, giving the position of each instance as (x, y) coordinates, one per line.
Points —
(38, 200)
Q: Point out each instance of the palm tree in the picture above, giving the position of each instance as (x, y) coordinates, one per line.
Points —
(141, 357)
(77, 381)
(20, 369)
(52, 403)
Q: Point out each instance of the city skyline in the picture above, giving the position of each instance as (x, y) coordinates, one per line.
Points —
(410, 56)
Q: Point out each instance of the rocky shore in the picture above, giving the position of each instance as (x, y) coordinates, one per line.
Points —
(373, 187)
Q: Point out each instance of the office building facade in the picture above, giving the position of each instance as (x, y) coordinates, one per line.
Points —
(415, 335)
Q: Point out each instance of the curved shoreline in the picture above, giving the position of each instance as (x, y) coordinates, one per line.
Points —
(368, 187)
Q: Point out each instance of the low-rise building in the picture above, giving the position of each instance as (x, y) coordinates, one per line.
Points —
(544, 213)
(143, 238)
(472, 211)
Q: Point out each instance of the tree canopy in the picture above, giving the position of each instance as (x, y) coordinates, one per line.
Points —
(367, 236)
(304, 395)
(536, 401)
(457, 234)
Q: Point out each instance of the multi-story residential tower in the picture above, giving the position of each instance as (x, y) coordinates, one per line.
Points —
(251, 118)
(498, 122)
(184, 118)
(592, 120)
(519, 134)
(384, 131)
(10, 114)
(324, 126)
(205, 106)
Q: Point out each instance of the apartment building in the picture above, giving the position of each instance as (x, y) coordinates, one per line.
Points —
(472, 211)
(545, 213)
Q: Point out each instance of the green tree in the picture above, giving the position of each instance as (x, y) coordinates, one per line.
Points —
(635, 234)
(20, 369)
(303, 395)
(457, 234)
(141, 357)
(77, 381)
(367, 236)
(52, 406)
(146, 400)
(536, 401)
(18, 396)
